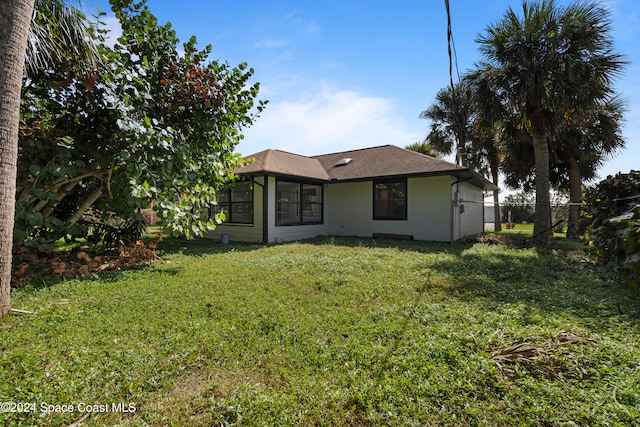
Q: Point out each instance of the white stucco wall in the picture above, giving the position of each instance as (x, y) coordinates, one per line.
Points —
(428, 210)
(348, 211)
(468, 212)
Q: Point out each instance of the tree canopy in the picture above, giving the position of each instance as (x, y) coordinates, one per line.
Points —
(538, 67)
(152, 122)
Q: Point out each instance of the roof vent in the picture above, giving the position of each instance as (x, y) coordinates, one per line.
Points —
(343, 162)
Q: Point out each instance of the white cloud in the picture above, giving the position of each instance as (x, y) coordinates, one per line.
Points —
(272, 43)
(293, 15)
(313, 27)
(297, 18)
(325, 121)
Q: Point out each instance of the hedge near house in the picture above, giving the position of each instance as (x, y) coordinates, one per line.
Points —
(611, 220)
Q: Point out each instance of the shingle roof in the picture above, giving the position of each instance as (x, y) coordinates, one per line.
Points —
(282, 163)
(387, 160)
(367, 163)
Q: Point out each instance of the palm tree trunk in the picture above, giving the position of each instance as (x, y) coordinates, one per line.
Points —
(497, 217)
(15, 19)
(542, 218)
(575, 194)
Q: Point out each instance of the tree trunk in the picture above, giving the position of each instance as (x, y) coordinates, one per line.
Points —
(86, 204)
(542, 218)
(497, 217)
(15, 20)
(575, 194)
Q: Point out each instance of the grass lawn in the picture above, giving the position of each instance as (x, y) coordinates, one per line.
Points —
(526, 229)
(328, 332)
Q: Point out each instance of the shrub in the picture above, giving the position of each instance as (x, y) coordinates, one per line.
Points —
(611, 221)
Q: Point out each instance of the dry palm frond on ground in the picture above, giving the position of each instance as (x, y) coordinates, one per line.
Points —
(540, 358)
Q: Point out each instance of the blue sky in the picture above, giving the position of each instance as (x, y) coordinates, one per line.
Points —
(343, 75)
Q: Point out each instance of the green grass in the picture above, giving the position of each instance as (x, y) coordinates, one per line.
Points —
(525, 229)
(522, 226)
(329, 332)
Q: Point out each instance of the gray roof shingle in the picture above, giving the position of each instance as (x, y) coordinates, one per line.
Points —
(282, 163)
(362, 164)
(387, 160)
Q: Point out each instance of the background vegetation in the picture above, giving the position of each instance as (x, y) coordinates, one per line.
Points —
(611, 221)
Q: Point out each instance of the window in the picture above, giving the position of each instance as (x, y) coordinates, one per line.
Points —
(298, 203)
(288, 203)
(390, 199)
(311, 204)
(236, 202)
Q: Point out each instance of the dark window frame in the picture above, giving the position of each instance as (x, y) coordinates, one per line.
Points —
(378, 216)
(228, 206)
(301, 203)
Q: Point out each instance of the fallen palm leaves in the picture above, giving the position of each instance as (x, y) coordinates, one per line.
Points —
(550, 358)
(69, 264)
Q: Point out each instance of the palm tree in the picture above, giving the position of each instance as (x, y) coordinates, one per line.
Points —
(538, 64)
(38, 39)
(492, 118)
(486, 154)
(15, 17)
(584, 140)
(458, 122)
(451, 118)
(423, 148)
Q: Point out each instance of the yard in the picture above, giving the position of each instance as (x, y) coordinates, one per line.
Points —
(328, 332)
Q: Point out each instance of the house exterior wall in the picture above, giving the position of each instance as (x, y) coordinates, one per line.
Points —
(468, 212)
(350, 210)
(244, 232)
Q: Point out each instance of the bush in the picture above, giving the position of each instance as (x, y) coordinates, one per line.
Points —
(522, 207)
(611, 222)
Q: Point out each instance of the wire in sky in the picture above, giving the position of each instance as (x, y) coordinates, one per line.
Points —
(451, 48)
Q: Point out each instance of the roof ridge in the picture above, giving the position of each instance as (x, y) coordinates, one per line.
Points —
(267, 155)
(268, 151)
(353, 151)
(289, 152)
(431, 157)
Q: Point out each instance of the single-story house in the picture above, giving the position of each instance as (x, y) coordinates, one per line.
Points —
(382, 191)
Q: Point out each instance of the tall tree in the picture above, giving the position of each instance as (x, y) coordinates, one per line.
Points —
(423, 148)
(451, 118)
(538, 63)
(154, 122)
(15, 18)
(585, 139)
(486, 143)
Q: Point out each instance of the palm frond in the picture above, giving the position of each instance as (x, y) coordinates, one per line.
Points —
(59, 30)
